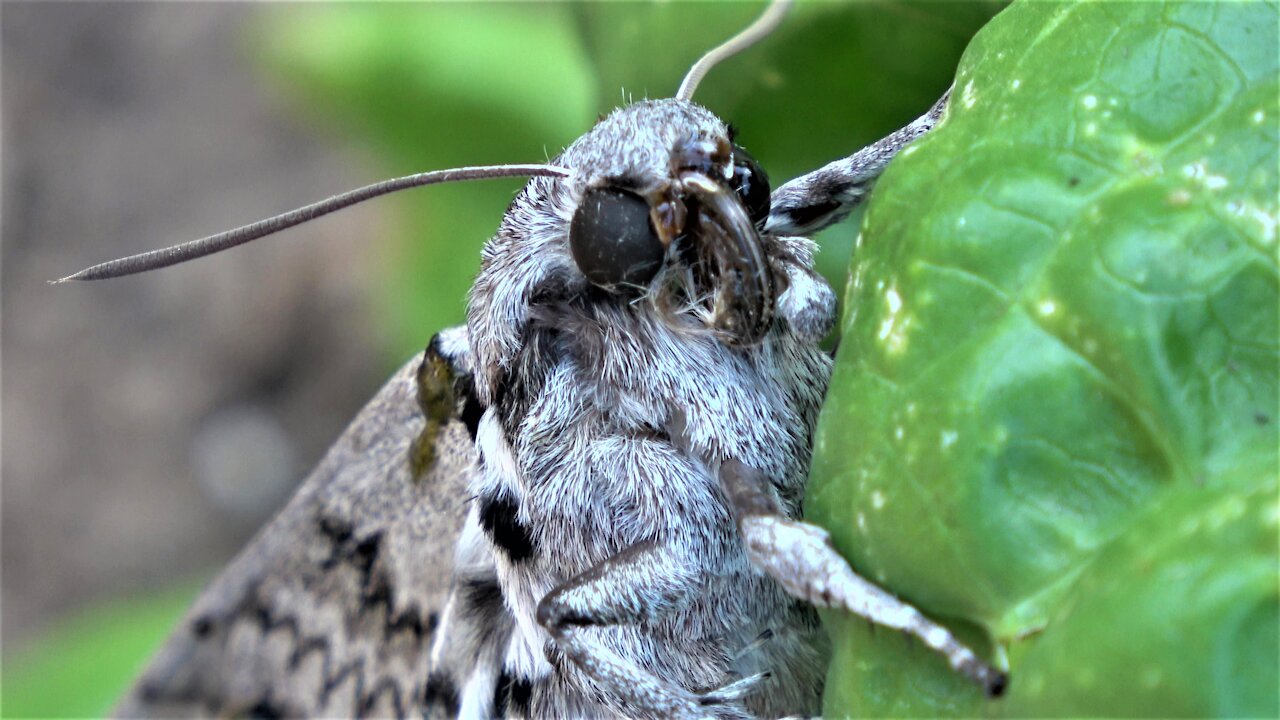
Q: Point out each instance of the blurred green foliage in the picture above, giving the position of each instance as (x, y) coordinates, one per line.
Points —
(1053, 420)
(82, 666)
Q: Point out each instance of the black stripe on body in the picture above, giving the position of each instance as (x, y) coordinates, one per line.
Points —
(498, 518)
(520, 697)
(471, 410)
(501, 695)
(522, 383)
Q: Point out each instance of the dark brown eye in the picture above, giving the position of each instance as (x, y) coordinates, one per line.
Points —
(612, 239)
(752, 185)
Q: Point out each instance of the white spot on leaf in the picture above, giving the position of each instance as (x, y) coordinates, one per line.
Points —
(1268, 222)
(894, 300)
(893, 327)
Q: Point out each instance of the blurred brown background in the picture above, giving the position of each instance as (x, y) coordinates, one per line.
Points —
(151, 423)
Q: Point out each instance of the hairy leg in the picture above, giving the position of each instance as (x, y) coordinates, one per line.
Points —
(801, 558)
(640, 583)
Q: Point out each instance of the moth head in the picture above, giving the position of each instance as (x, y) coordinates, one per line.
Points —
(682, 224)
(622, 228)
(675, 219)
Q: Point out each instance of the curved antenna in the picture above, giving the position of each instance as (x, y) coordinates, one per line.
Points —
(753, 33)
(193, 249)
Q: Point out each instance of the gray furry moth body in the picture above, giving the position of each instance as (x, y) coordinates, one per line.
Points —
(585, 502)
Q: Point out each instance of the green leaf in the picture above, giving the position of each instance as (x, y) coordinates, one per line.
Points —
(1061, 350)
(1177, 617)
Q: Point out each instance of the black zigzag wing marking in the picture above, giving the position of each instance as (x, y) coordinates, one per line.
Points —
(331, 609)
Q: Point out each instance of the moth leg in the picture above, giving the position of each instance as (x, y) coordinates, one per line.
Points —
(801, 558)
(807, 304)
(827, 195)
(638, 584)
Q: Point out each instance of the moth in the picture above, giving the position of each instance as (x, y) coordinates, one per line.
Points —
(585, 502)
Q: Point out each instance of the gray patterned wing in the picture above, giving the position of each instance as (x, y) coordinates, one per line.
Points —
(332, 607)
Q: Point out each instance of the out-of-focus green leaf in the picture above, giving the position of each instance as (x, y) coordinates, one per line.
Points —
(1059, 373)
(830, 79)
(83, 665)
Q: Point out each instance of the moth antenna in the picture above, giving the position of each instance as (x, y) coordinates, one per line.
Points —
(753, 33)
(164, 257)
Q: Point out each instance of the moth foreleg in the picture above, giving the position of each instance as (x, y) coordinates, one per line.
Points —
(827, 195)
(801, 558)
(640, 583)
(808, 304)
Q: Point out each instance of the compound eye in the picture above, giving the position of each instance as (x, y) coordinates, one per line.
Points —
(612, 239)
(752, 185)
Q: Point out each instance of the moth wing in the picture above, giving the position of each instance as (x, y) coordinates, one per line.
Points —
(331, 609)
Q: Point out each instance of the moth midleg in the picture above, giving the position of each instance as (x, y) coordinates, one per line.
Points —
(638, 584)
(808, 303)
(801, 558)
